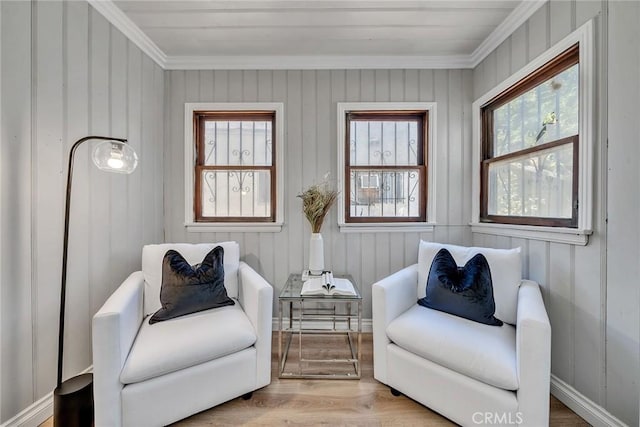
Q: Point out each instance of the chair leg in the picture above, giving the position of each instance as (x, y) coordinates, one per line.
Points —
(247, 396)
(395, 392)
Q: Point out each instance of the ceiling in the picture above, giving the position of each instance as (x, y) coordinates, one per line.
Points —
(317, 33)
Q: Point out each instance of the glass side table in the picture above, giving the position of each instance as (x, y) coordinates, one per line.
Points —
(303, 319)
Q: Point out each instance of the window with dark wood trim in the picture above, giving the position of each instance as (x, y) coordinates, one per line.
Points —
(385, 166)
(529, 148)
(235, 172)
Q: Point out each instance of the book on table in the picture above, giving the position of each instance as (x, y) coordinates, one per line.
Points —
(327, 285)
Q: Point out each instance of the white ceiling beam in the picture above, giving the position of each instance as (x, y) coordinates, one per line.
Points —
(314, 62)
(222, 19)
(307, 5)
(133, 32)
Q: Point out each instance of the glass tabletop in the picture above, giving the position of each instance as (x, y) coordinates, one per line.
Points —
(293, 287)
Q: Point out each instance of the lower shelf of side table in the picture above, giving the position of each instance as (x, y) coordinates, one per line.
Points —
(319, 354)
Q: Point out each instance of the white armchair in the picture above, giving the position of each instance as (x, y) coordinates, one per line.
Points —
(469, 372)
(152, 375)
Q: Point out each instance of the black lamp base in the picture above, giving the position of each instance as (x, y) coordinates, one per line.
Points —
(73, 402)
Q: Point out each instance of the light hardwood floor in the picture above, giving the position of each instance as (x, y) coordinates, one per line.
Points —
(363, 402)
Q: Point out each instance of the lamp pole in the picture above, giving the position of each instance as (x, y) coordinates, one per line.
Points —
(73, 399)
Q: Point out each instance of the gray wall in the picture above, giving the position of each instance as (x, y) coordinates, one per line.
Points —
(623, 194)
(310, 99)
(591, 292)
(67, 73)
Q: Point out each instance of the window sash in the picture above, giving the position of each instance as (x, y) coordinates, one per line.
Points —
(199, 120)
(422, 118)
(560, 63)
(532, 220)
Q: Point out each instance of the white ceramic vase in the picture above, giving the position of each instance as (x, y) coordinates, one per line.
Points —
(316, 254)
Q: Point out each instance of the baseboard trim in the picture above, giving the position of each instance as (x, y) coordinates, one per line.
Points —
(591, 412)
(38, 412)
(367, 324)
(33, 415)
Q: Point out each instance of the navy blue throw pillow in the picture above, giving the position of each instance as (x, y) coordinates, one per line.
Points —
(188, 289)
(462, 291)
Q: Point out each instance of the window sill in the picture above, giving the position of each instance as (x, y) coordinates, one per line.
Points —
(571, 236)
(233, 227)
(382, 227)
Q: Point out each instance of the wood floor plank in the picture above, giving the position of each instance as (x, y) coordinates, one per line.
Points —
(364, 402)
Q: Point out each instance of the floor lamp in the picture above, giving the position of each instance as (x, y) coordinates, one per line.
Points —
(73, 398)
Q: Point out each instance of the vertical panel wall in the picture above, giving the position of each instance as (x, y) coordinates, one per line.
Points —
(310, 99)
(67, 73)
(623, 235)
(594, 318)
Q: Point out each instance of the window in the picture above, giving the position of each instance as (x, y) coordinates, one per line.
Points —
(530, 148)
(383, 167)
(235, 165)
(534, 138)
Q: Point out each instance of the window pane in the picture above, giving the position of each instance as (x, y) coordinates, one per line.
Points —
(536, 185)
(237, 143)
(376, 193)
(383, 142)
(236, 193)
(545, 113)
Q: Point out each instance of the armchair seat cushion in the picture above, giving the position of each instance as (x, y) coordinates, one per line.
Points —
(486, 353)
(187, 341)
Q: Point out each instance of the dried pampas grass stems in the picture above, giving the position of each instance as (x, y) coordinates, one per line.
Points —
(316, 202)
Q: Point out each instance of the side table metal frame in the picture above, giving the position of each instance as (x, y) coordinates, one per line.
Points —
(304, 309)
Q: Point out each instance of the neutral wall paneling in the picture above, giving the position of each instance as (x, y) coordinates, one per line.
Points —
(560, 309)
(15, 237)
(49, 166)
(120, 251)
(441, 94)
(344, 86)
(66, 74)
(594, 320)
(587, 330)
(623, 235)
(76, 102)
(562, 17)
(539, 30)
(519, 48)
(297, 233)
(2, 138)
(281, 240)
(310, 99)
(133, 214)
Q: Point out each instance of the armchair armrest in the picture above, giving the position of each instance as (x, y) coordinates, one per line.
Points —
(256, 298)
(533, 349)
(390, 297)
(115, 327)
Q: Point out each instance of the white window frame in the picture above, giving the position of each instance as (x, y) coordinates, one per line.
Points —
(384, 227)
(190, 157)
(586, 135)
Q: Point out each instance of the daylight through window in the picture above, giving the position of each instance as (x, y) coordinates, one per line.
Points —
(385, 166)
(530, 148)
(235, 167)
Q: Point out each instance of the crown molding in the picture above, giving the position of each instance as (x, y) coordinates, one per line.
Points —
(121, 21)
(512, 22)
(313, 62)
(118, 19)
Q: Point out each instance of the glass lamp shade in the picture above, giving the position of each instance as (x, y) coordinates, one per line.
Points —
(115, 156)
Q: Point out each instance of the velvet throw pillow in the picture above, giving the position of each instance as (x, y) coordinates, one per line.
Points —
(462, 291)
(188, 289)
